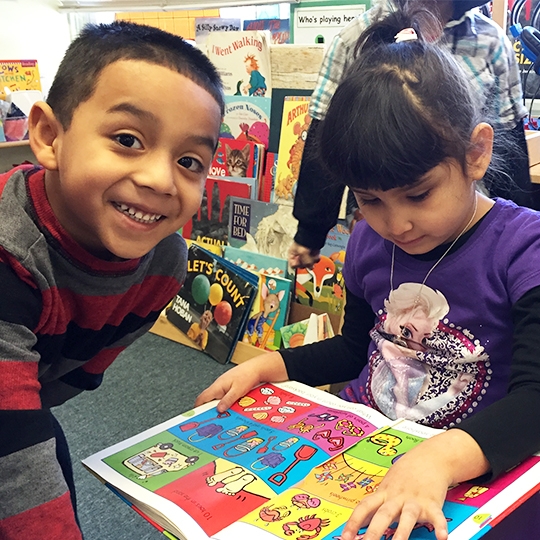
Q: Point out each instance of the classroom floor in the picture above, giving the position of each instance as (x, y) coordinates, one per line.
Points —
(151, 381)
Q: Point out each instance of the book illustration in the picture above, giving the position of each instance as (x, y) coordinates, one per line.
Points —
(212, 468)
(257, 262)
(246, 118)
(294, 128)
(242, 60)
(269, 312)
(278, 28)
(213, 304)
(19, 75)
(323, 285)
(286, 461)
(234, 158)
(211, 222)
(266, 228)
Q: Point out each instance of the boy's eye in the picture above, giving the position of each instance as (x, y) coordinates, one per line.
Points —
(420, 197)
(129, 141)
(191, 164)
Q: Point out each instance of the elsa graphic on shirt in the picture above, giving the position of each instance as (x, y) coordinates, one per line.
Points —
(421, 365)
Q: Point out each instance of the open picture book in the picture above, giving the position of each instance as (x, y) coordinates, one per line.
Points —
(286, 461)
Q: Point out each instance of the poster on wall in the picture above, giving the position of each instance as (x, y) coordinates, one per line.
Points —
(319, 22)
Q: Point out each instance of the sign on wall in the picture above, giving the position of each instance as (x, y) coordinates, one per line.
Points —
(319, 22)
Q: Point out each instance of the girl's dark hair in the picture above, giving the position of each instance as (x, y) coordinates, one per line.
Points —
(101, 45)
(401, 109)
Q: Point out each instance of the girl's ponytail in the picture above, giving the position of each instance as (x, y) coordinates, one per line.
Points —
(420, 15)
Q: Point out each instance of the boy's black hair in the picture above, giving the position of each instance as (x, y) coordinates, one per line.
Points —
(101, 45)
(401, 110)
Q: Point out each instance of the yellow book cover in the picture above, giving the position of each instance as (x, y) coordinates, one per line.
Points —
(294, 127)
(19, 75)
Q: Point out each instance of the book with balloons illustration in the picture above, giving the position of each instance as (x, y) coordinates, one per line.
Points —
(286, 461)
(213, 305)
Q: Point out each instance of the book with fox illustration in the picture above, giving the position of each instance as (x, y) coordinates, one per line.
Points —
(287, 461)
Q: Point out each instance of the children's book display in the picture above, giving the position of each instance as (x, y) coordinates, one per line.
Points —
(323, 286)
(257, 262)
(243, 61)
(247, 118)
(294, 127)
(316, 328)
(286, 461)
(261, 227)
(214, 303)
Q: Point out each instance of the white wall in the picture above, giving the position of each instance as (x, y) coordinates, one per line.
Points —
(34, 29)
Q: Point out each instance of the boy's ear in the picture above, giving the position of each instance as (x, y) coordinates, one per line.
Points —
(44, 129)
(479, 154)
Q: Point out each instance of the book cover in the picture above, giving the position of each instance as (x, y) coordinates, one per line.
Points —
(211, 222)
(19, 75)
(205, 25)
(234, 158)
(262, 227)
(269, 312)
(278, 28)
(242, 60)
(286, 461)
(247, 118)
(294, 128)
(323, 286)
(266, 189)
(213, 305)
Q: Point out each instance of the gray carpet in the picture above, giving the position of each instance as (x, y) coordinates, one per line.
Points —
(151, 381)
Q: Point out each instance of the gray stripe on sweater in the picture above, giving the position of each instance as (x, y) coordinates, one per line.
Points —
(44, 484)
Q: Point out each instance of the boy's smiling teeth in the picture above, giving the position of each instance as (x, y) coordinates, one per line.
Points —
(137, 215)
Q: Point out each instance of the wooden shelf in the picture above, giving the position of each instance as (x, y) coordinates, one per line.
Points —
(13, 144)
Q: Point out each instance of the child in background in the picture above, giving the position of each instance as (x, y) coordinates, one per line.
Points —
(442, 320)
(485, 53)
(89, 254)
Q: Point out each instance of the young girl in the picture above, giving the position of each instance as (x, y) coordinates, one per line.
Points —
(443, 284)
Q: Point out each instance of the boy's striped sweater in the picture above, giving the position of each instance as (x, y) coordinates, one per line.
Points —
(65, 315)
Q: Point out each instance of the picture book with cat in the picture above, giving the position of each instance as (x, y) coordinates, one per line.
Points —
(242, 60)
(247, 118)
(211, 222)
(294, 127)
(286, 461)
(234, 158)
(261, 227)
(214, 303)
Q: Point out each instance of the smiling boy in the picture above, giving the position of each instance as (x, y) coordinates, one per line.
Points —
(89, 254)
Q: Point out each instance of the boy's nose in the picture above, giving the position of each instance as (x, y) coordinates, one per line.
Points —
(158, 174)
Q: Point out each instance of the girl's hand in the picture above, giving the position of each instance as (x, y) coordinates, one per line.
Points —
(302, 257)
(237, 382)
(414, 489)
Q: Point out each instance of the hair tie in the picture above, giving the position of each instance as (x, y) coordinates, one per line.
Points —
(407, 34)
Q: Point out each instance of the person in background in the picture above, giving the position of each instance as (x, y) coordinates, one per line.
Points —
(442, 320)
(89, 254)
(486, 55)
